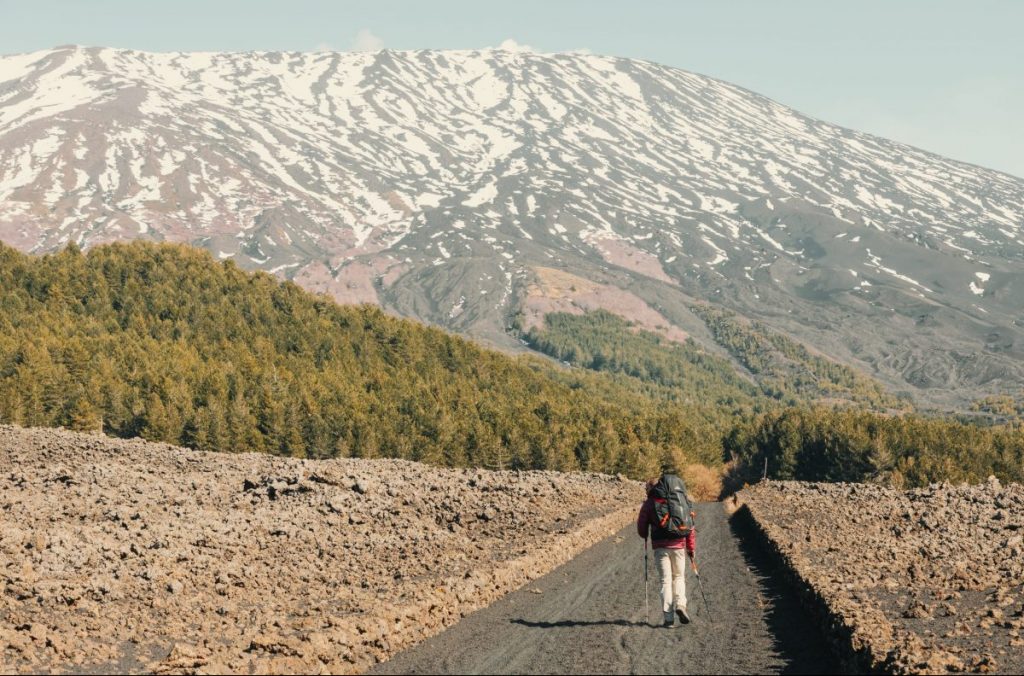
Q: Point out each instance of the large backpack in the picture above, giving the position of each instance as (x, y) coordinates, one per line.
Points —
(672, 518)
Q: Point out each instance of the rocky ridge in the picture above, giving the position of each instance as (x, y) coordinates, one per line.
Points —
(128, 556)
(923, 581)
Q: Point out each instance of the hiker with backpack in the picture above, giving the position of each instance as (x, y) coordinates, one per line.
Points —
(668, 517)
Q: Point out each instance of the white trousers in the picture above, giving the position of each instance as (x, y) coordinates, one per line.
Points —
(671, 565)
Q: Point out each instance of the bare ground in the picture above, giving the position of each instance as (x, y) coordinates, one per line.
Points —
(923, 581)
(122, 556)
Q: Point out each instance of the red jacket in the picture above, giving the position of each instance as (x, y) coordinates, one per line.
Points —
(645, 521)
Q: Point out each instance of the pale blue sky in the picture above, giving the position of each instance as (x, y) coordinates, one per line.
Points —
(945, 76)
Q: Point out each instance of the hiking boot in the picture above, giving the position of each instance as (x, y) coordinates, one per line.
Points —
(670, 620)
(683, 616)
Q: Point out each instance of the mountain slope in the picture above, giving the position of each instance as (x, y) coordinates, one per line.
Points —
(162, 342)
(464, 188)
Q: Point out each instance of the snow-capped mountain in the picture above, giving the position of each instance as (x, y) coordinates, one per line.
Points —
(464, 188)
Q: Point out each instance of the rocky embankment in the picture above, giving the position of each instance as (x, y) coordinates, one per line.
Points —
(128, 556)
(923, 581)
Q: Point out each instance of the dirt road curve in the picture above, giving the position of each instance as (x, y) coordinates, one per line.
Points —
(588, 617)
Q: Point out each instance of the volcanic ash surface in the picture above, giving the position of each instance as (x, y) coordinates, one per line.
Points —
(929, 580)
(128, 556)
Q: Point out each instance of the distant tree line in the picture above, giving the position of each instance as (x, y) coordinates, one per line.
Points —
(1002, 405)
(786, 369)
(602, 341)
(860, 435)
(833, 444)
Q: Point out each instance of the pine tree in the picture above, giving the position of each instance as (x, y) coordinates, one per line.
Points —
(85, 417)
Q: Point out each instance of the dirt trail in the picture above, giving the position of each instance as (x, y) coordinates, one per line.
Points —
(588, 617)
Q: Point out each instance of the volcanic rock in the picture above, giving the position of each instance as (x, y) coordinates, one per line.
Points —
(124, 555)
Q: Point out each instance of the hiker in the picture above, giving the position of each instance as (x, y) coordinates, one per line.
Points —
(667, 515)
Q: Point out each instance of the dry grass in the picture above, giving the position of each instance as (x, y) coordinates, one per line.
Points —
(703, 483)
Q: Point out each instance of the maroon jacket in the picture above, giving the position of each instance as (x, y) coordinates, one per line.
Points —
(645, 521)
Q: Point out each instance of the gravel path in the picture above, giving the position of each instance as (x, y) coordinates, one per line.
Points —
(587, 616)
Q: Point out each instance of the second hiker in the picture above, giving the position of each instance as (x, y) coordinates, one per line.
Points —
(666, 514)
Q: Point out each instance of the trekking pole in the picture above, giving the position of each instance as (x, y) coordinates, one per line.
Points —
(647, 603)
(700, 585)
